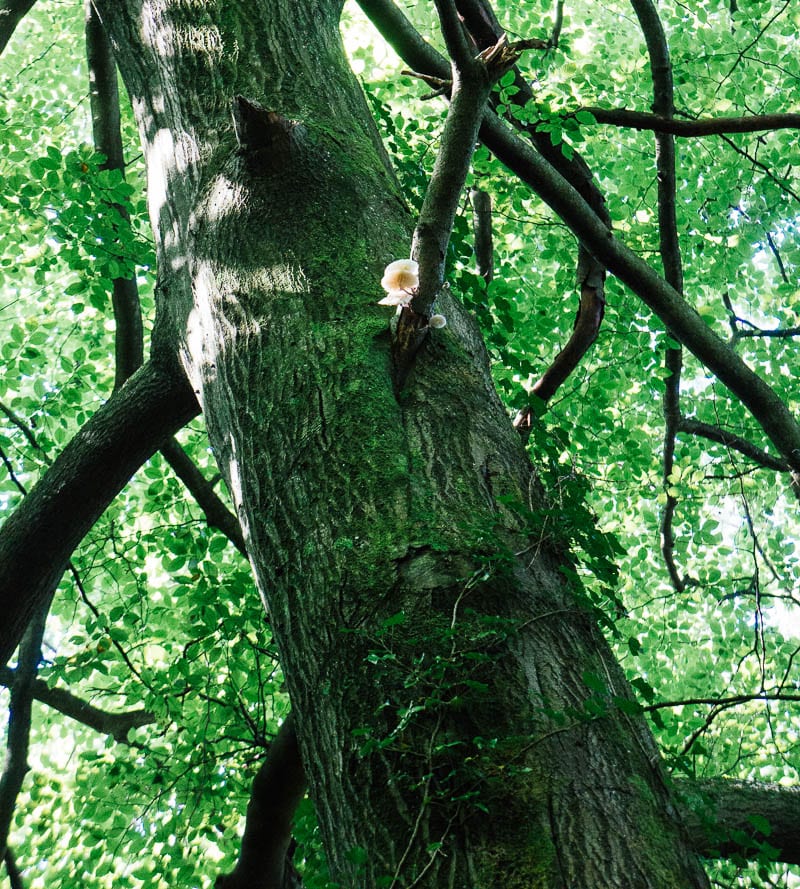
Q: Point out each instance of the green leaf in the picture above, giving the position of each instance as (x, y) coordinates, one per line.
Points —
(760, 823)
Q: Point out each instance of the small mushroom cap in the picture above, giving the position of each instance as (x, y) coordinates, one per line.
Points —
(437, 321)
(402, 274)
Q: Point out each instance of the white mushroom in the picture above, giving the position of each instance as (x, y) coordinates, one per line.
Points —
(402, 274)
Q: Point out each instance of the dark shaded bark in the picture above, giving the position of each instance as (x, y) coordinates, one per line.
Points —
(721, 815)
(19, 722)
(14, 875)
(482, 233)
(11, 14)
(369, 511)
(739, 818)
(279, 785)
(38, 538)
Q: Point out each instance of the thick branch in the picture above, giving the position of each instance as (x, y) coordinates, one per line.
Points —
(117, 725)
(715, 126)
(471, 87)
(129, 337)
(482, 231)
(278, 788)
(486, 31)
(718, 813)
(11, 14)
(455, 39)
(409, 44)
(19, 722)
(38, 538)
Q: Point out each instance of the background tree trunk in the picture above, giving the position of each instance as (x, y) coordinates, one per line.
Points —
(436, 654)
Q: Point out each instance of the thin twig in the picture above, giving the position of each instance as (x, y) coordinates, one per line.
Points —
(733, 441)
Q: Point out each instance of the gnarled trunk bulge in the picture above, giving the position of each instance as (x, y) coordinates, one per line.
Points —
(436, 651)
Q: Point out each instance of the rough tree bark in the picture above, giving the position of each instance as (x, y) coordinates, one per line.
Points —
(435, 652)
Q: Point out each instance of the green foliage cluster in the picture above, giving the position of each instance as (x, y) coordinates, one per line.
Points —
(158, 612)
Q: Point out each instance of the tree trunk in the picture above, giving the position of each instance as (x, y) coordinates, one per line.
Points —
(435, 651)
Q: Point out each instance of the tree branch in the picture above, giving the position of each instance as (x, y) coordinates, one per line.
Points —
(486, 30)
(782, 185)
(462, 56)
(104, 96)
(482, 232)
(398, 32)
(14, 875)
(587, 223)
(278, 788)
(718, 814)
(11, 14)
(684, 322)
(730, 701)
(38, 538)
(25, 429)
(735, 442)
(558, 22)
(780, 333)
(472, 83)
(584, 333)
(716, 126)
(117, 725)
(664, 105)
(19, 722)
(752, 330)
